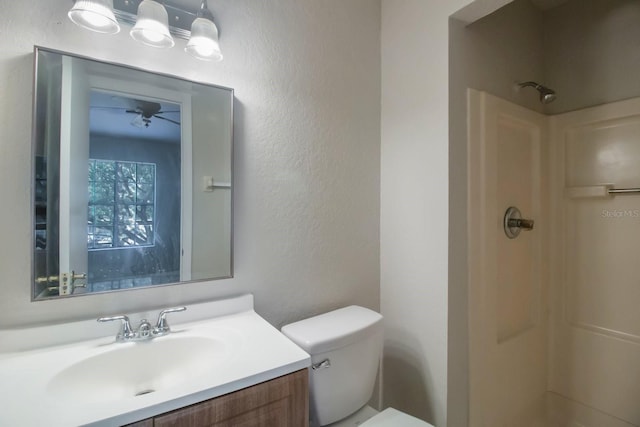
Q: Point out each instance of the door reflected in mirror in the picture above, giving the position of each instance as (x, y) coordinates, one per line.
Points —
(132, 183)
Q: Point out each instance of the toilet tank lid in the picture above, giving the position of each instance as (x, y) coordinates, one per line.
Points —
(333, 330)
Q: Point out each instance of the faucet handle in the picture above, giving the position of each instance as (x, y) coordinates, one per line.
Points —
(126, 332)
(162, 327)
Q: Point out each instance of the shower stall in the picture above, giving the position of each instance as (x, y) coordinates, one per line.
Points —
(554, 319)
(595, 250)
(552, 293)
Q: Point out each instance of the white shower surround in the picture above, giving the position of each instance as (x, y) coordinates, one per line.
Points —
(611, 35)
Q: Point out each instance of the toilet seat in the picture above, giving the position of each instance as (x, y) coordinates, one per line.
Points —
(393, 418)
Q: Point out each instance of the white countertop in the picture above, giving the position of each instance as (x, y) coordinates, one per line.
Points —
(260, 353)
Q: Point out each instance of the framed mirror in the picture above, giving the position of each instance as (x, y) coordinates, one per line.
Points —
(132, 178)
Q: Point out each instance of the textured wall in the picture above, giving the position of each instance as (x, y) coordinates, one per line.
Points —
(307, 135)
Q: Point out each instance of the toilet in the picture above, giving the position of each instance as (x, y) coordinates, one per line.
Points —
(345, 347)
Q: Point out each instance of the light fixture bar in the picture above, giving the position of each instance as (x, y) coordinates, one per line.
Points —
(179, 20)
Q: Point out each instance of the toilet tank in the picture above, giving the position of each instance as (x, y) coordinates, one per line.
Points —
(345, 347)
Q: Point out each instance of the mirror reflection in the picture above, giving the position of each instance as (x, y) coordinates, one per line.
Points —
(132, 178)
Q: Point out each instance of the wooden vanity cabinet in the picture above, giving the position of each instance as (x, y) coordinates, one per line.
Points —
(281, 402)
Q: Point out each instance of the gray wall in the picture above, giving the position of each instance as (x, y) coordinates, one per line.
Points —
(307, 153)
(592, 52)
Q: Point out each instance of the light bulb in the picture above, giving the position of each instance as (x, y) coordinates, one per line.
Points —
(203, 43)
(152, 25)
(95, 15)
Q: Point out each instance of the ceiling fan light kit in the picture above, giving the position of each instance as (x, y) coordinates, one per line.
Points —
(150, 20)
(140, 122)
(146, 110)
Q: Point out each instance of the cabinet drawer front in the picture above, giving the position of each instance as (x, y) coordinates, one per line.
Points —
(281, 402)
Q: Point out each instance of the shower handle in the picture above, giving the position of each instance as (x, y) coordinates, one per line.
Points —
(514, 223)
(525, 224)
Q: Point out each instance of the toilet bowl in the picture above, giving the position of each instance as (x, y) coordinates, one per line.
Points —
(345, 347)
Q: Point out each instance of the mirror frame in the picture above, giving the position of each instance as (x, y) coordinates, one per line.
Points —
(34, 145)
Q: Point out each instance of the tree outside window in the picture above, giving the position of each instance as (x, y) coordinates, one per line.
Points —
(121, 204)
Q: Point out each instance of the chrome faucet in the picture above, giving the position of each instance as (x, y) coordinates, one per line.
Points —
(162, 326)
(144, 331)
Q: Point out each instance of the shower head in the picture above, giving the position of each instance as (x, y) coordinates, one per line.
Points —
(546, 95)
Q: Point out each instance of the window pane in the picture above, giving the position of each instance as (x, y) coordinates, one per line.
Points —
(103, 215)
(126, 214)
(91, 196)
(90, 216)
(145, 194)
(125, 236)
(144, 214)
(103, 193)
(126, 171)
(103, 237)
(145, 234)
(92, 170)
(105, 170)
(146, 173)
(90, 238)
(135, 235)
(126, 192)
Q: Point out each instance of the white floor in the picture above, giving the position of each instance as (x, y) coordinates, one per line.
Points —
(356, 419)
(386, 418)
(560, 412)
(393, 418)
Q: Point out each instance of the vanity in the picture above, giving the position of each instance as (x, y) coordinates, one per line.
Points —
(280, 402)
(133, 188)
(221, 365)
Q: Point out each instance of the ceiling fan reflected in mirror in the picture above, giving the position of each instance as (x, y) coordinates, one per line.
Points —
(144, 111)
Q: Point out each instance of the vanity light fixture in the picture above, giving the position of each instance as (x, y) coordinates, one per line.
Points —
(155, 23)
(203, 43)
(95, 15)
(152, 25)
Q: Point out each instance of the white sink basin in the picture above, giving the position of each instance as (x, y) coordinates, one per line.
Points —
(139, 368)
(224, 347)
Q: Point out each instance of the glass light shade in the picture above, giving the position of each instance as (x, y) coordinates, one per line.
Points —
(152, 25)
(203, 43)
(95, 15)
(138, 121)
